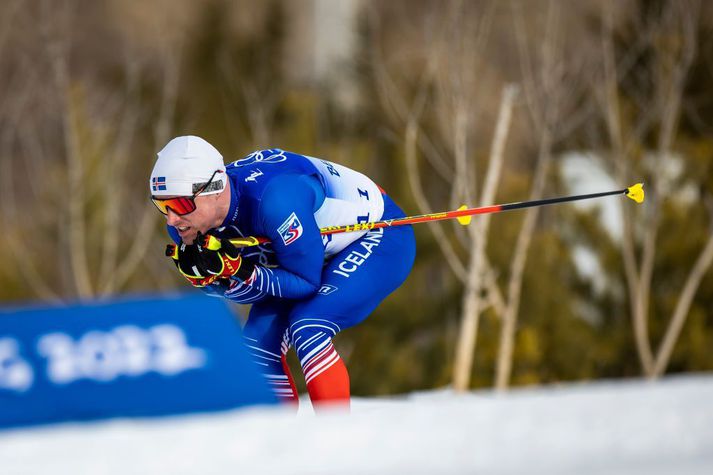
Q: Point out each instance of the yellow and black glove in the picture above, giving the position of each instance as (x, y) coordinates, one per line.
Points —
(221, 258)
(189, 262)
(208, 260)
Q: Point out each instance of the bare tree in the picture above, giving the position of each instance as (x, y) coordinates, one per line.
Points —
(448, 87)
(552, 85)
(659, 96)
(91, 228)
(258, 95)
(452, 88)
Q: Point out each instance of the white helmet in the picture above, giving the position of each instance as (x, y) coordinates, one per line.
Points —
(184, 165)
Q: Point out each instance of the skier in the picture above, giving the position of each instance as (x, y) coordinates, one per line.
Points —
(304, 287)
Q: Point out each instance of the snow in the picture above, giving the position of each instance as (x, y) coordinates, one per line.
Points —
(623, 427)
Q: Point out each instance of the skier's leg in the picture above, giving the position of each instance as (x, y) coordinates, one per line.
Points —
(325, 374)
(354, 283)
(266, 336)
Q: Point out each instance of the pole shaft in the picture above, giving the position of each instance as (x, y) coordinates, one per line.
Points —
(424, 218)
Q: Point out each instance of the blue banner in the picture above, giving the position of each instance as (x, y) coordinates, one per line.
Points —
(146, 357)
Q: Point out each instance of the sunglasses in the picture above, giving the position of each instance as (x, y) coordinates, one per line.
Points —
(181, 205)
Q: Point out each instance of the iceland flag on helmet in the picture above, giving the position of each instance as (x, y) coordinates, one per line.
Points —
(290, 230)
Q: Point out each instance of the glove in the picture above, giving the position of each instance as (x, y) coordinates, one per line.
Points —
(219, 257)
(187, 258)
(208, 260)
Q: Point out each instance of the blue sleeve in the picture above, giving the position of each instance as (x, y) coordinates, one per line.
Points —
(286, 213)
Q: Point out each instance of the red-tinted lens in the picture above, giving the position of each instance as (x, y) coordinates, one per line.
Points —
(181, 205)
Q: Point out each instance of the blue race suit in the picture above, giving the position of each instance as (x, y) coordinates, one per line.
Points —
(307, 287)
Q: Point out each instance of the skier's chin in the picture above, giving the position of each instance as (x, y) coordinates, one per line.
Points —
(188, 235)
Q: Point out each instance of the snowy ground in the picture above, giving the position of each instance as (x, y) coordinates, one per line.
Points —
(629, 427)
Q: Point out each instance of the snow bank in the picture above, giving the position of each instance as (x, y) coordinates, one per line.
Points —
(631, 427)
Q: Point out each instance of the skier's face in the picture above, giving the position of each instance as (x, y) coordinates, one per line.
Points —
(206, 216)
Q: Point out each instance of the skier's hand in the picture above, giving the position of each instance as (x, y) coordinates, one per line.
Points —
(187, 258)
(219, 257)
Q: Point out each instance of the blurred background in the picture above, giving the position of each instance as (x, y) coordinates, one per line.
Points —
(440, 102)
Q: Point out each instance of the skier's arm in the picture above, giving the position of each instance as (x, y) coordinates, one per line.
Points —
(230, 289)
(287, 213)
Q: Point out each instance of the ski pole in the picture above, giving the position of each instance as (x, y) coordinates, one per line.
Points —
(462, 214)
